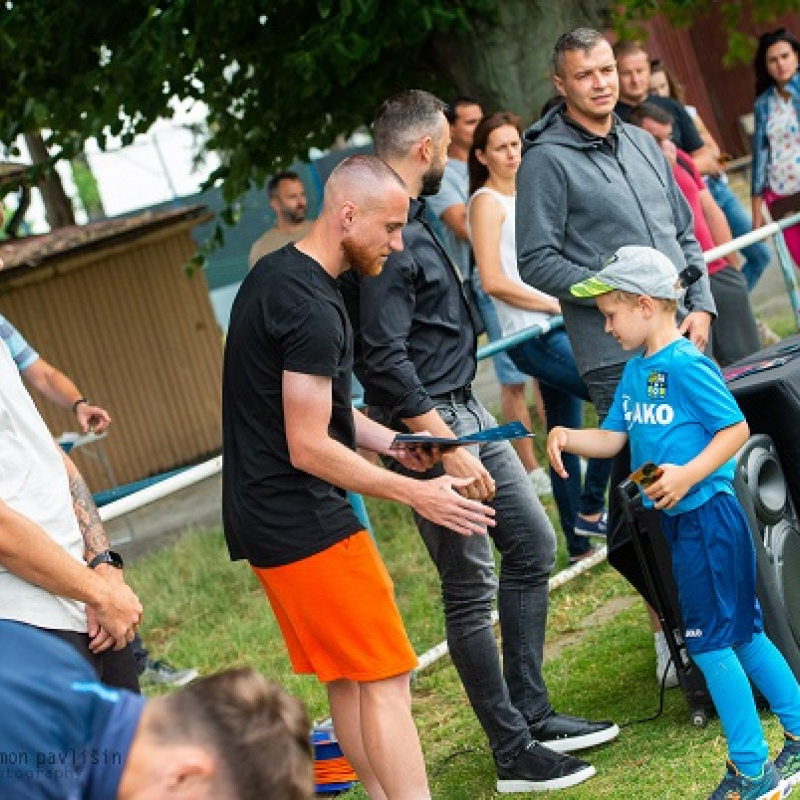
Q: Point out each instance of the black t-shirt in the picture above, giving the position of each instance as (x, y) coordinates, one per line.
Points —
(288, 315)
(684, 131)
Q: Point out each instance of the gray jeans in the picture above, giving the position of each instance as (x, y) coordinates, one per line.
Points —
(505, 700)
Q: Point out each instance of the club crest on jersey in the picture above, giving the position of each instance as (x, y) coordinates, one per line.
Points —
(657, 385)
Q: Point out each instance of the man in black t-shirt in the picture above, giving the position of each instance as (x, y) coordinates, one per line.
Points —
(633, 68)
(289, 438)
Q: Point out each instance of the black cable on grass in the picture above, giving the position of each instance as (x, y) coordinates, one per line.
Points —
(660, 711)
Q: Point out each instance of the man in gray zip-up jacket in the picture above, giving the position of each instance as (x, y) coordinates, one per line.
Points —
(588, 185)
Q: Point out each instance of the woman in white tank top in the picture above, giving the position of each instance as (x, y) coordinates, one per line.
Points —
(493, 164)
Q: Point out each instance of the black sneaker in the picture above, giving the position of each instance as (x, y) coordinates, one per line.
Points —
(537, 769)
(565, 734)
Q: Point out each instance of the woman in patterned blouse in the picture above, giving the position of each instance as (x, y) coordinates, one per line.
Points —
(776, 138)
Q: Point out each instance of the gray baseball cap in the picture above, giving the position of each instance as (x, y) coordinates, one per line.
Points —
(638, 270)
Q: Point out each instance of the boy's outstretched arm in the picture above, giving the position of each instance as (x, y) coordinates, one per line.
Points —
(676, 481)
(592, 443)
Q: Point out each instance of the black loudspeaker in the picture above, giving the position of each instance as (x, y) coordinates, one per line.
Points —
(766, 386)
(764, 494)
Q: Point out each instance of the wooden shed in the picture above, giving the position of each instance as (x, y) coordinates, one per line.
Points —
(112, 305)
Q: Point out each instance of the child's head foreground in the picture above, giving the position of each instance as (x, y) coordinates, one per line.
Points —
(637, 291)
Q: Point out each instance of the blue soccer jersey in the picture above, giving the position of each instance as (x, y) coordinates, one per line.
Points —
(671, 405)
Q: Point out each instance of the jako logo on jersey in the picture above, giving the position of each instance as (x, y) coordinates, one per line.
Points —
(646, 413)
(694, 633)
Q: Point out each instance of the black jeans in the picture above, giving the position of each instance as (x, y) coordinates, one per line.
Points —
(114, 667)
(505, 700)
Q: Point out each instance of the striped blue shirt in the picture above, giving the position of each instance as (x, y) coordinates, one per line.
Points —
(23, 354)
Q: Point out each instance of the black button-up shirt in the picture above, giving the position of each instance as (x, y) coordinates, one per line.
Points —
(414, 329)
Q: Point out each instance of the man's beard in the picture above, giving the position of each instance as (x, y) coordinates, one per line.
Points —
(432, 180)
(296, 216)
(361, 259)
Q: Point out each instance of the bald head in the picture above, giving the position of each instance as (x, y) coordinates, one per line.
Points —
(361, 180)
(365, 208)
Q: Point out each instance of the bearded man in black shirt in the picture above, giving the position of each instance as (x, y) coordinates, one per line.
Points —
(289, 439)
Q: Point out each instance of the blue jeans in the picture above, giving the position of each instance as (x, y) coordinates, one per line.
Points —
(506, 699)
(757, 256)
(549, 359)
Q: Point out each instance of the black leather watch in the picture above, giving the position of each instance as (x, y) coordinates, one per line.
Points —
(107, 557)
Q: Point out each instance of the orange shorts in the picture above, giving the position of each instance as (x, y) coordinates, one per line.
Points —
(337, 613)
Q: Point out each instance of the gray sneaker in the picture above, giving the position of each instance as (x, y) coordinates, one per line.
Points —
(160, 673)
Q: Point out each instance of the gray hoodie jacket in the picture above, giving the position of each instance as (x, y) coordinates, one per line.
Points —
(578, 201)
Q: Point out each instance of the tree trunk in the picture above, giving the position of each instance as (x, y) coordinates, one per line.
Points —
(507, 65)
(57, 206)
(88, 190)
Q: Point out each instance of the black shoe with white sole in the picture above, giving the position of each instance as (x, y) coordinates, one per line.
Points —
(539, 769)
(565, 734)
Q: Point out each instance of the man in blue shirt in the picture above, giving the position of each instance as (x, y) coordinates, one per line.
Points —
(232, 736)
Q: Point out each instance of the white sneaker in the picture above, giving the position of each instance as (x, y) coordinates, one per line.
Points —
(664, 662)
(541, 481)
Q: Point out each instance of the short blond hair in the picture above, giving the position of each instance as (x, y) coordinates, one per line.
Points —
(259, 734)
(630, 299)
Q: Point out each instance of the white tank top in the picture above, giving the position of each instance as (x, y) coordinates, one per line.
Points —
(512, 318)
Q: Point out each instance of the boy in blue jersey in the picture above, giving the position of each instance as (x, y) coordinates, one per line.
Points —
(673, 405)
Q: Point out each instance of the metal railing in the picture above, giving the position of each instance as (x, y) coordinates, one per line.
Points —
(203, 471)
(772, 230)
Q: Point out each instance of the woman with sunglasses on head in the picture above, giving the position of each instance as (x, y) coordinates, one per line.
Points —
(776, 137)
(494, 159)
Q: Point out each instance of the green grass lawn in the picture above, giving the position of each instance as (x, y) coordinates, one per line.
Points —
(203, 610)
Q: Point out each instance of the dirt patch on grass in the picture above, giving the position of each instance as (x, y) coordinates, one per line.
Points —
(596, 619)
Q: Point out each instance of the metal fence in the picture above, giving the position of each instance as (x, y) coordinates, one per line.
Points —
(193, 475)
